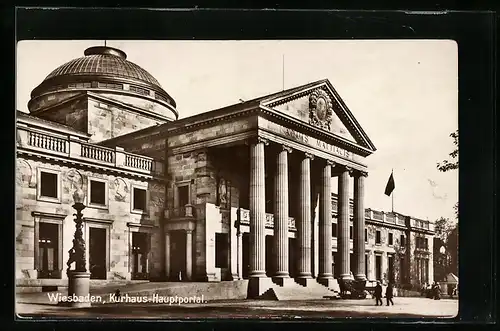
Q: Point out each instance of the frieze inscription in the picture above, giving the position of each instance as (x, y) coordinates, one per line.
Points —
(307, 140)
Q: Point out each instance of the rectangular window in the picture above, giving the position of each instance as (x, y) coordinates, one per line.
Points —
(426, 243)
(97, 192)
(48, 184)
(390, 239)
(334, 230)
(221, 250)
(139, 199)
(350, 232)
(378, 238)
(366, 235)
(402, 240)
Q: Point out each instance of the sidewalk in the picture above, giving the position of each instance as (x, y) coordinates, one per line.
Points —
(404, 307)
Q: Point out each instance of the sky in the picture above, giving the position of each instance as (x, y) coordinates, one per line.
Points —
(404, 94)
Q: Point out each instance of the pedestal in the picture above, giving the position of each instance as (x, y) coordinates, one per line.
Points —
(78, 289)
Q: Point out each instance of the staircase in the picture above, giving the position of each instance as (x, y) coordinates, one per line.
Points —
(295, 291)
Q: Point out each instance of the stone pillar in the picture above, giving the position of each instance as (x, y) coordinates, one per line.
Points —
(281, 217)
(359, 226)
(304, 232)
(257, 283)
(167, 255)
(189, 254)
(325, 276)
(385, 268)
(343, 224)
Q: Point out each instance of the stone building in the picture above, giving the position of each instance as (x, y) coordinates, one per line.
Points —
(239, 192)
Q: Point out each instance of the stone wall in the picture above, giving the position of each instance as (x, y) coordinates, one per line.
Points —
(73, 113)
(107, 121)
(117, 215)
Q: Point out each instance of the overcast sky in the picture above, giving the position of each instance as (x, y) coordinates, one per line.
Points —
(403, 93)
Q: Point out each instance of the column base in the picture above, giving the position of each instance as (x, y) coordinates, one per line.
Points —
(258, 286)
(305, 281)
(78, 289)
(283, 281)
(360, 277)
(234, 277)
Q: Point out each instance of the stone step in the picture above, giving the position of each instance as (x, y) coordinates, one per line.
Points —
(295, 291)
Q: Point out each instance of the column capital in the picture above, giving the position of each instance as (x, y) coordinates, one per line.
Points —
(358, 173)
(257, 140)
(286, 148)
(330, 163)
(308, 156)
(189, 231)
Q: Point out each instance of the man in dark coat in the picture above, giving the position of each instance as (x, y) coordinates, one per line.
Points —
(378, 294)
(389, 294)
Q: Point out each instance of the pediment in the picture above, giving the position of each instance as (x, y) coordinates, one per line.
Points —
(319, 105)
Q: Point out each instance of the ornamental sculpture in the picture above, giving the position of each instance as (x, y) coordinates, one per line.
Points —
(320, 109)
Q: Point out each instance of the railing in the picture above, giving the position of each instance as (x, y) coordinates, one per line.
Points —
(73, 148)
(43, 141)
(181, 212)
(98, 153)
(138, 162)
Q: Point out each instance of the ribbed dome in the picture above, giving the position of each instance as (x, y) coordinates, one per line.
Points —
(101, 60)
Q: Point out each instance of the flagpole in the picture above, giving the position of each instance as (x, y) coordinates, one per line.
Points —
(392, 174)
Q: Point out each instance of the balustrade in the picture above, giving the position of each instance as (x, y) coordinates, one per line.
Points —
(40, 140)
(75, 148)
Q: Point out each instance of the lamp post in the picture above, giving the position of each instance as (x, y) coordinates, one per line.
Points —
(79, 278)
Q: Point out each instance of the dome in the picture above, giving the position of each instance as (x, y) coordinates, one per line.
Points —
(104, 69)
(101, 60)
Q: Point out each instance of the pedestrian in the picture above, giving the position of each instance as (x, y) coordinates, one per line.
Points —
(378, 294)
(437, 292)
(389, 293)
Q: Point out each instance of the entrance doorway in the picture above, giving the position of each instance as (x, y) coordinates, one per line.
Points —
(140, 250)
(246, 254)
(97, 253)
(391, 268)
(48, 244)
(178, 255)
(270, 256)
(378, 267)
(292, 259)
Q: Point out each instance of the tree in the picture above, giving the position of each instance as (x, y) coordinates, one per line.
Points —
(451, 164)
(442, 228)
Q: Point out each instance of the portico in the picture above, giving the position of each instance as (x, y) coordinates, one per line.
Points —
(279, 154)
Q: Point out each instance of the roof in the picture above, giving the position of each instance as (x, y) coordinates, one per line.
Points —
(43, 122)
(104, 61)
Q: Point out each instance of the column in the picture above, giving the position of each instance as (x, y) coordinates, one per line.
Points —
(343, 224)
(359, 226)
(257, 274)
(304, 220)
(281, 216)
(167, 255)
(189, 254)
(325, 226)
(384, 267)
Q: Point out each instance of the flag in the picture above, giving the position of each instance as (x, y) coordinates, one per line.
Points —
(390, 185)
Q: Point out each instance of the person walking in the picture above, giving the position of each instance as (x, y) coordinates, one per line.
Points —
(378, 294)
(389, 294)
